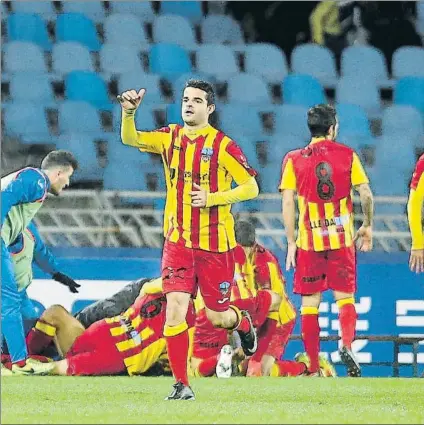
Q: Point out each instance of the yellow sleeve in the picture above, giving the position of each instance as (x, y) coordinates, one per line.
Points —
(152, 287)
(316, 20)
(146, 141)
(415, 206)
(243, 192)
(288, 177)
(358, 175)
(235, 162)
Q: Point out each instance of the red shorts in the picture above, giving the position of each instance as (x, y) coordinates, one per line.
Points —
(319, 271)
(95, 353)
(184, 269)
(280, 339)
(208, 340)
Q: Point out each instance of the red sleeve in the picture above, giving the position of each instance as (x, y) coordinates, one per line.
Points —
(234, 150)
(418, 172)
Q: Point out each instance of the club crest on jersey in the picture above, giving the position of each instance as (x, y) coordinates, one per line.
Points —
(207, 154)
(224, 288)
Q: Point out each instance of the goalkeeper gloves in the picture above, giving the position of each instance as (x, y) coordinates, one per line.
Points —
(67, 281)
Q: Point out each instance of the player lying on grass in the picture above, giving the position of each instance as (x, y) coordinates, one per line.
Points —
(130, 342)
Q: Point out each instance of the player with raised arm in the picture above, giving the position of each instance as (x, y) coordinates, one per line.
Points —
(324, 257)
(415, 217)
(22, 195)
(200, 164)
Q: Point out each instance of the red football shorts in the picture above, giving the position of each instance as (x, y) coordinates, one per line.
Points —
(184, 269)
(208, 340)
(280, 339)
(95, 353)
(319, 271)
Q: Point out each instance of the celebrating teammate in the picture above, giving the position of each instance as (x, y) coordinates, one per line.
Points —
(23, 193)
(200, 165)
(323, 175)
(415, 207)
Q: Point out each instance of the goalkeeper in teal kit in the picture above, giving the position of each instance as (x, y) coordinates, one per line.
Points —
(22, 194)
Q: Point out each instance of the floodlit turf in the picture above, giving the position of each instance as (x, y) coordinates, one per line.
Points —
(124, 400)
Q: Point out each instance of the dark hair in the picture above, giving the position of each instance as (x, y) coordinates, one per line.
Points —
(320, 119)
(245, 233)
(205, 86)
(59, 158)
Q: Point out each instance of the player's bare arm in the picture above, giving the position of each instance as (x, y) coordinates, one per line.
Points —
(289, 218)
(364, 234)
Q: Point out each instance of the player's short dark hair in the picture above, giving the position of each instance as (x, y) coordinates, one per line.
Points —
(320, 119)
(245, 233)
(59, 158)
(205, 86)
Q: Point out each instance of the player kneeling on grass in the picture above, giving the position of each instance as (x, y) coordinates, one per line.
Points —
(130, 342)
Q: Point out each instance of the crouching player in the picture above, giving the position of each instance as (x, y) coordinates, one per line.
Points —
(130, 342)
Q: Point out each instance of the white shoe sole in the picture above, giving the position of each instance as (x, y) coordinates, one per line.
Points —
(224, 365)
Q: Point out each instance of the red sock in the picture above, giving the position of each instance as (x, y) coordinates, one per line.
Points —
(177, 344)
(310, 336)
(266, 333)
(264, 300)
(37, 340)
(290, 368)
(347, 318)
(207, 366)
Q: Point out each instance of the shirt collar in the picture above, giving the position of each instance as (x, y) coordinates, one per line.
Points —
(193, 134)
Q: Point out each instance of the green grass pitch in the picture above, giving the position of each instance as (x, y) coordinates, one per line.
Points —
(124, 400)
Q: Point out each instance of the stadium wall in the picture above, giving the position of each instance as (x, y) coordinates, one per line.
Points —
(390, 299)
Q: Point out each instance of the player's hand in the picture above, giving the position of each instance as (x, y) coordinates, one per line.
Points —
(291, 255)
(416, 260)
(130, 100)
(198, 196)
(364, 238)
(67, 281)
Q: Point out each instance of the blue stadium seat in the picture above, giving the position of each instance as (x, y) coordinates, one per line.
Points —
(179, 84)
(281, 144)
(27, 121)
(134, 81)
(32, 87)
(236, 119)
(79, 28)
(141, 9)
(88, 87)
(115, 179)
(70, 56)
(410, 91)
(173, 114)
(169, 60)
(23, 56)
(291, 120)
(403, 120)
(144, 118)
(353, 121)
(315, 60)
(83, 147)
(303, 90)
(256, 55)
(134, 31)
(357, 60)
(360, 91)
(43, 8)
(419, 25)
(356, 141)
(173, 29)
(192, 10)
(217, 60)
(247, 89)
(92, 9)
(221, 29)
(79, 117)
(269, 177)
(389, 182)
(115, 59)
(395, 153)
(28, 27)
(408, 61)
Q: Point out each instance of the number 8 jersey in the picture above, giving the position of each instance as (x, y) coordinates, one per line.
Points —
(323, 175)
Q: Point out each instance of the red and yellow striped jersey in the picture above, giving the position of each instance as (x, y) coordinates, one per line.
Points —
(139, 332)
(210, 159)
(323, 175)
(418, 175)
(415, 205)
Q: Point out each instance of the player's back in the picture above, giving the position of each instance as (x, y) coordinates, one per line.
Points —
(323, 174)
